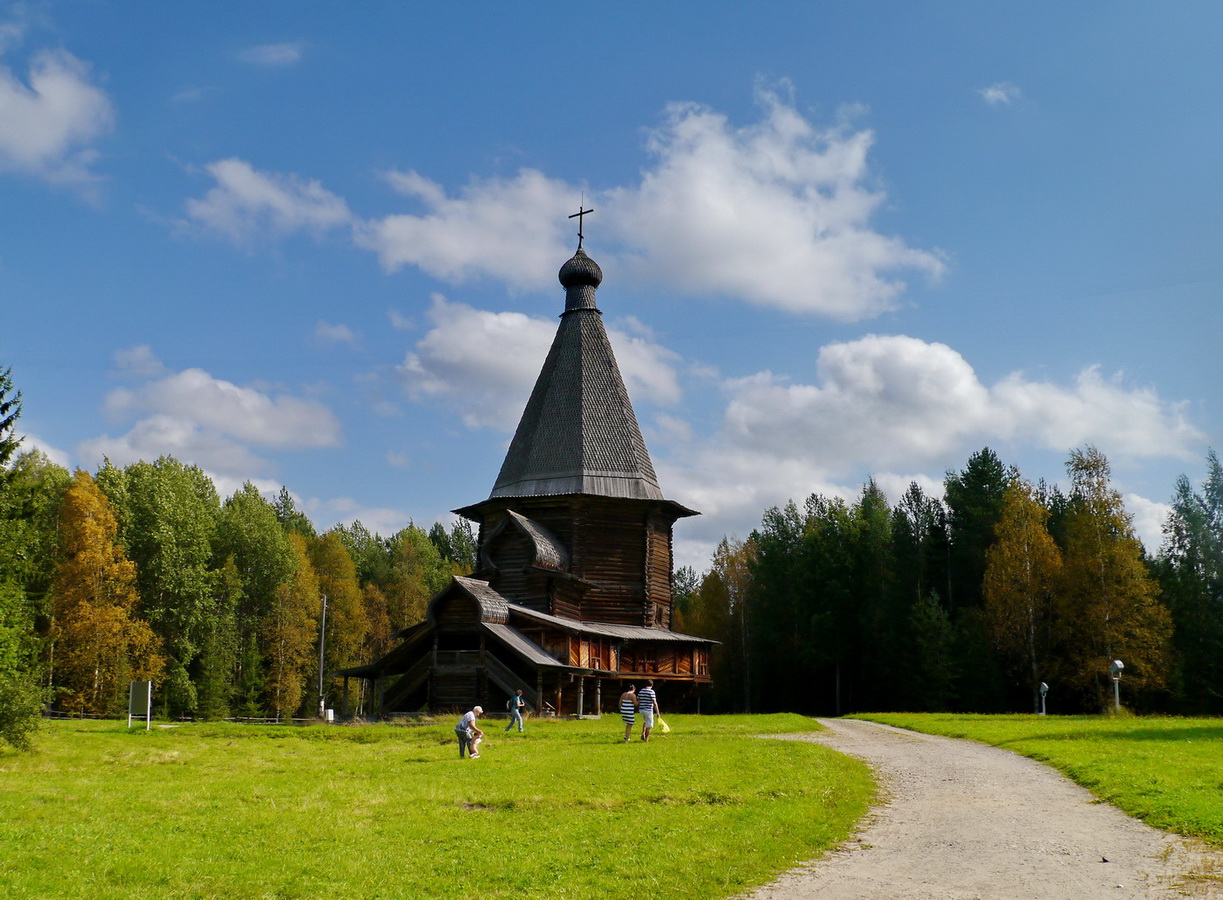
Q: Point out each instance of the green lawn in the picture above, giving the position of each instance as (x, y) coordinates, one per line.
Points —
(1166, 771)
(390, 812)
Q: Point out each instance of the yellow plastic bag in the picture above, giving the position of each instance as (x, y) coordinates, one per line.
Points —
(663, 726)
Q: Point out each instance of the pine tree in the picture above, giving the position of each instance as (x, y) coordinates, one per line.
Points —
(733, 561)
(780, 611)
(1190, 570)
(933, 675)
(292, 519)
(974, 505)
(30, 498)
(10, 412)
(831, 559)
(684, 585)
(881, 625)
(218, 659)
(708, 615)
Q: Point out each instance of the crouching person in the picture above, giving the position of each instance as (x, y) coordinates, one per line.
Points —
(467, 731)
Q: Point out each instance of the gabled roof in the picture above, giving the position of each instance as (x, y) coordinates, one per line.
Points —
(492, 606)
(578, 433)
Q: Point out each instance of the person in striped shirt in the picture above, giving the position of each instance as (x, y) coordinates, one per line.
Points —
(647, 702)
(628, 710)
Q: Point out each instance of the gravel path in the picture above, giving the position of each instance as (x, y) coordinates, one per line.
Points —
(962, 820)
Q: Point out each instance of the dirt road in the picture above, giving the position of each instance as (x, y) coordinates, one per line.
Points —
(961, 820)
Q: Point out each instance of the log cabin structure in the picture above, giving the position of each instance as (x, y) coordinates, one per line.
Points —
(571, 595)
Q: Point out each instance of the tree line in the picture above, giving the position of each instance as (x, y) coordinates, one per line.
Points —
(143, 572)
(964, 603)
(969, 602)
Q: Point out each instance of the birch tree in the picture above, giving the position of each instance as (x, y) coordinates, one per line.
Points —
(1022, 571)
(1109, 606)
(347, 622)
(288, 631)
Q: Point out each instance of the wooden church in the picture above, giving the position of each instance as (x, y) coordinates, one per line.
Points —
(571, 597)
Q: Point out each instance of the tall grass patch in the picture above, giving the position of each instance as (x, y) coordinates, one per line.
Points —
(565, 810)
(1166, 771)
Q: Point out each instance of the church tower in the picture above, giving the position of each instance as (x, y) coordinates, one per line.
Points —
(576, 524)
(572, 588)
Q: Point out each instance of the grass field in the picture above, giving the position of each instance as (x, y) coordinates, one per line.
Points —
(1166, 771)
(381, 811)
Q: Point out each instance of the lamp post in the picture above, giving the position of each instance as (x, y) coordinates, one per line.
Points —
(1115, 671)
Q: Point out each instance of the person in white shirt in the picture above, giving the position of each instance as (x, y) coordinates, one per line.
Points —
(469, 733)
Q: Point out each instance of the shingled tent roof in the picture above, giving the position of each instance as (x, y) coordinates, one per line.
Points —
(578, 434)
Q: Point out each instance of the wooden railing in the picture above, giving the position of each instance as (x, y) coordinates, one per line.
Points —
(509, 681)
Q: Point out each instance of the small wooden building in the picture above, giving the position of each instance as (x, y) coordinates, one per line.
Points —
(571, 596)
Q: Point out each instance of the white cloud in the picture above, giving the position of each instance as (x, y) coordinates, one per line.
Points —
(648, 368)
(326, 514)
(206, 421)
(894, 400)
(1149, 519)
(247, 203)
(1132, 422)
(1000, 93)
(11, 34)
(193, 396)
(140, 361)
(165, 435)
(480, 363)
(53, 453)
(399, 321)
(777, 213)
(48, 125)
(889, 400)
(902, 410)
(272, 55)
(484, 364)
(228, 485)
(509, 229)
(335, 334)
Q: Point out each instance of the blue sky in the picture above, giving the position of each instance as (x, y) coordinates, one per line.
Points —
(316, 245)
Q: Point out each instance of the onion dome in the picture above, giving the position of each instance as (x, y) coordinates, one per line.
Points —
(580, 270)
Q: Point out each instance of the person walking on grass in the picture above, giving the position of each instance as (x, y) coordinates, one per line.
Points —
(628, 710)
(469, 733)
(647, 702)
(516, 706)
